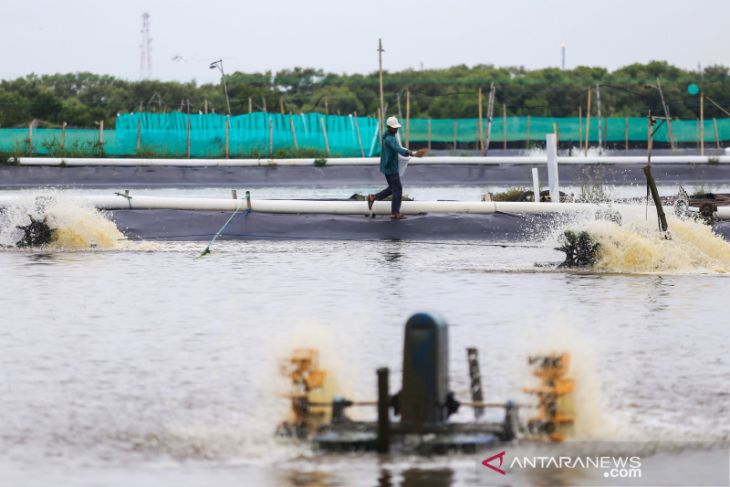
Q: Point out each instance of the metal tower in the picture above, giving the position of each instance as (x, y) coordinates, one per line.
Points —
(145, 48)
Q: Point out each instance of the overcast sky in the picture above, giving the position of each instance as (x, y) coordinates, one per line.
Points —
(51, 36)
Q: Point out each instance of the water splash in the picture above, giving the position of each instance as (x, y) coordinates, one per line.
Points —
(637, 247)
(77, 224)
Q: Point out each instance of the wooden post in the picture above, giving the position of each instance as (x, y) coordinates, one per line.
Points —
(599, 118)
(717, 134)
(672, 142)
(250, 105)
(556, 131)
(475, 377)
(359, 137)
(626, 133)
(504, 126)
(205, 105)
(382, 98)
(382, 442)
(456, 126)
(63, 136)
(101, 132)
(139, 137)
(588, 124)
(655, 196)
(481, 122)
(263, 100)
(324, 132)
(428, 133)
(477, 138)
(228, 128)
(527, 142)
(702, 123)
(580, 127)
(30, 137)
(408, 117)
(326, 106)
(490, 116)
(187, 145)
(649, 139)
(293, 133)
(281, 104)
(271, 135)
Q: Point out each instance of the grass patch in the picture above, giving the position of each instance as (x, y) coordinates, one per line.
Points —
(511, 194)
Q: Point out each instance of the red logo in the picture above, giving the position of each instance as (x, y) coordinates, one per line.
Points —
(494, 457)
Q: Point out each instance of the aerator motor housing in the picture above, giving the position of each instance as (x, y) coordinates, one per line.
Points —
(417, 418)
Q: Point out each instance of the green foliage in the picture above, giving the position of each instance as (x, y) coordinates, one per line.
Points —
(511, 194)
(80, 99)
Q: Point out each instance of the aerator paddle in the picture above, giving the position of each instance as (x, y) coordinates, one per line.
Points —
(217, 234)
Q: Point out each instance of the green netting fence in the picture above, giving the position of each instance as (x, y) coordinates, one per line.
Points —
(259, 134)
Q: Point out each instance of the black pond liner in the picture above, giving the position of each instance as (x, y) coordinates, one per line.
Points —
(202, 225)
(437, 175)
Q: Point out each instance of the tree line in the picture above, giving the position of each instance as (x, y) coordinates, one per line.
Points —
(83, 99)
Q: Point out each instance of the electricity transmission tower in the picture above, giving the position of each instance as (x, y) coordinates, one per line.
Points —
(145, 49)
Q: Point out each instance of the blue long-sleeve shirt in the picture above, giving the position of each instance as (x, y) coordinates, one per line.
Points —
(389, 154)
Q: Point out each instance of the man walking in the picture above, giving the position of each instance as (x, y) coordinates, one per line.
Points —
(389, 167)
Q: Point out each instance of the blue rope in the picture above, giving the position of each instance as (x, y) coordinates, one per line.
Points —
(218, 233)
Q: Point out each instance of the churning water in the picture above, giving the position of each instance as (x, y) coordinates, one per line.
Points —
(134, 363)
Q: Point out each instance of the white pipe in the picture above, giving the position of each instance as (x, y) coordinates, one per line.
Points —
(367, 161)
(723, 212)
(118, 202)
(551, 151)
(535, 185)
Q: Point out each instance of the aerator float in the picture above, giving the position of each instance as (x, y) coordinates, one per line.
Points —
(417, 418)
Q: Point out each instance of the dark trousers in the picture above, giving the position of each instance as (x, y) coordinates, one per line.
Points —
(394, 188)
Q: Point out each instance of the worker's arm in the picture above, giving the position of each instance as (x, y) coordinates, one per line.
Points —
(393, 144)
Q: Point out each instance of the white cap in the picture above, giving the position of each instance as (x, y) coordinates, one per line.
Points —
(393, 122)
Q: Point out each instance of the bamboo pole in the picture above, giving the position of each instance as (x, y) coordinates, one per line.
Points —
(408, 117)
(324, 132)
(476, 138)
(481, 121)
(205, 105)
(490, 116)
(271, 135)
(456, 125)
(697, 133)
(580, 127)
(428, 133)
(293, 132)
(281, 104)
(588, 124)
(717, 134)
(228, 128)
(63, 136)
(556, 131)
(101, 132)
(527, 141)
(139, 137)
(599, 119)
(359, 137)
(382, 97)
(250, 105)
(187, 144)
(702, 123)
(504, 126)
(626, 133)
(326, 105)
(30, 137)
